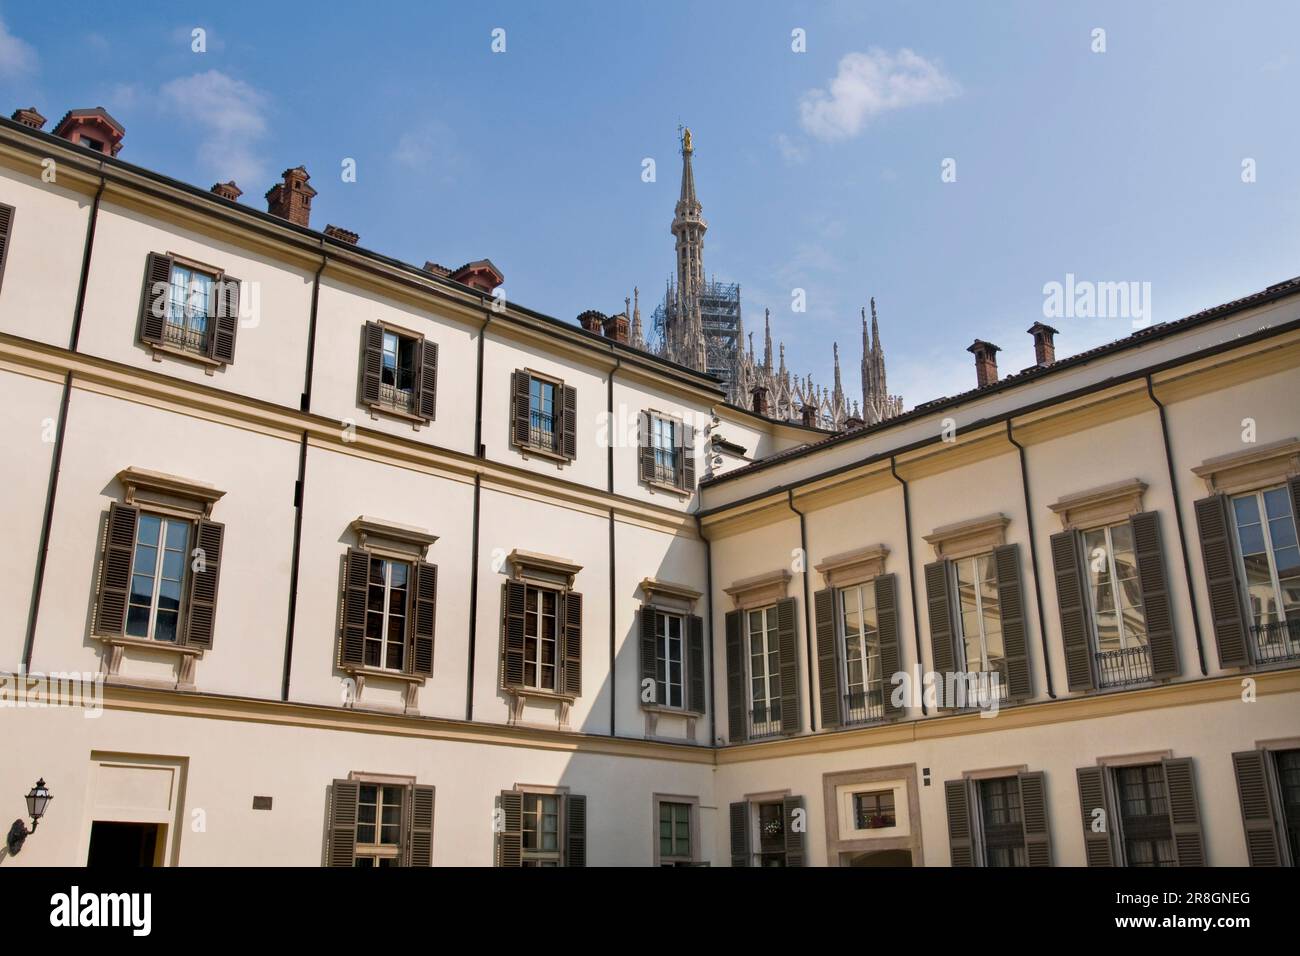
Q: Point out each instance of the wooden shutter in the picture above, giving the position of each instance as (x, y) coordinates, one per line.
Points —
(510, 838)
(520, 408)
(426, 406)
(569, 432)
(201, 609)
(153, 300)
(1011, 602)
(646, 447)
(795, 851)
(512, 634)
(1222, 579)
(419, 839)
(942, 648)
(6, 227)
(887, 629)
(424, 613)
(648, 619)
(961, 846)
(115, 572)
(372, 362)
(740, 851)
(687, 455)
(1093, 796)
(737, 700)
(1149, 550)
(575, 833)
(571, 652)
(1292, 483)
(1258, 814)
(788, 653)
(342, 848)
(695, 701)
(1033, 818)
(224, 320)
(356, 580)
(1184, 812)
(1071, 602)
(828, 668)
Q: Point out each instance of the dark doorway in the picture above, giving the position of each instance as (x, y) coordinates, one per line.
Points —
(123, 844)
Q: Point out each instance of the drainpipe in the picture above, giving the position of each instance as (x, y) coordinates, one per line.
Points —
(1178, 515)
(807, 612)
(478, 494)
(1033, 560)
(91, 223)
(305, 402)
(478, 389)
(911, 572)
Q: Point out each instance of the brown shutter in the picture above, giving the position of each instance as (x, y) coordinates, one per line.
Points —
(942, 648)
(571, 653)
(372, 361)
(788, 647)
(737, 700)
(519, 408)
(224, 321)
(1093, 796)
(115, 572)
(424, 613)
(512, 634)
(1011, 602)
(1071, 602)
(426, 405)
(696, 700)
(1258, 815)
(828, 669)
(1149, 550)
(153, 300)
(1033, 818)
(1214, 523)
(569, 433)
(420, 831)
(6, 227)
(795, 852)
(201, 609)
(645, 448)
(961, 847)
(575, 835)
(688, 457)
(647, 620)
(356, 579)
(740, 852)
(1184, 812)
(342, 848)
(510, 838)
(1294, 484)
(887, 628)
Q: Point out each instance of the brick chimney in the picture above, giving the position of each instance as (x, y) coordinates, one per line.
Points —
(592, 321)
(617, 328)
(94, 129)
(986, 361)
(228, 191)
(29, 117)
(760, 400)
(342, 235)
(480, 274)
(1044, 347)
(291, 199)
(810, 415)
(853, 422)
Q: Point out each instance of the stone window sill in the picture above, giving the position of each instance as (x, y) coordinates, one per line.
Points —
(159, 349)
(377, 409)
(185, 655)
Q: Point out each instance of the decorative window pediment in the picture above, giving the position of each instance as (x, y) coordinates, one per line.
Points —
(376, 533)
(964, 538)
(1254, 468)
(543, 567)
(854, 567)
(155, 488)
(669, 594)
(1109, 504)
(760, 590)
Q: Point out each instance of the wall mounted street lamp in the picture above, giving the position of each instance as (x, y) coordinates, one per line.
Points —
(38, 798)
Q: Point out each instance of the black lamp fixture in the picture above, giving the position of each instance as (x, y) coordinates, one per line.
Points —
(38, 798)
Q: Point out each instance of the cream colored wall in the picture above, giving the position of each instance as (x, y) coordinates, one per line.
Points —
(43, 265)
(271, 345)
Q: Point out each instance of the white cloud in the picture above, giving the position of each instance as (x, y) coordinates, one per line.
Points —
(17, 58)
(868, 84)
(230, 116)
(793, 153)
(429, 148)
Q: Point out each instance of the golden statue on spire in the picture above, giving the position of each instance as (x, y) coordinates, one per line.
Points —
(686, 141)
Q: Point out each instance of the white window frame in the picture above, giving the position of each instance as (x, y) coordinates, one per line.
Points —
(164, 522)
(549, 857)
(1116, 593)
(955, 584)
(769, 637)
(663, 642)
(1279, 615)
(689, 855)
(534, 683)
(550, 438)
(380, 850)
(862, 643)
(187, 326)
(386, 614)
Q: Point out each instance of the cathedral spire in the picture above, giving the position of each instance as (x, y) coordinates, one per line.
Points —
(767, 340)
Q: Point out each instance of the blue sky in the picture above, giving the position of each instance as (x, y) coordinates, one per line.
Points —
(818, 170)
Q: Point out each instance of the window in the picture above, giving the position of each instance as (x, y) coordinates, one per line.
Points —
(979, 618)
(668, 659)
(1115, 599)
(1288, 776)
(771, 834)
(1270, 564)
(157, 578)
(190, 300)
(541, 819)
(1001, 821)
(541, 637)
(863, 681)
(387, 604)
(664, 443)
(379, 825)
(398, 369)
(674, 834)
(541, 414)
(764, 673)
(1146, 837)
(874, 810)
(544, 415)
(541, 828)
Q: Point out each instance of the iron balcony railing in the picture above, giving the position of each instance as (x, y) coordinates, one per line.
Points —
(765, 721)
(1278, 641)
(181, 336)
(541, 431)
(861, 707)
(665, 471)
(1125, 666)
(394, 397)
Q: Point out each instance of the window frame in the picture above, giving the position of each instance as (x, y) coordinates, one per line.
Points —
(165, 518)
(534, 587)
(691, 807)
(214, 281)
(393, 397)
(378, 850)
(842, 648)
(663, 688)
(1275, 582)
(1148, 823)
(771, 672)
(388, 561)
(959, 621)
(1019, 851)
(1127, 645)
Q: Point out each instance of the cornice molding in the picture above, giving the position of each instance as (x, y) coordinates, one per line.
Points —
(1252, 468)
(964, 538)
(854, 567)
(1107, 504)
(760, 590)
